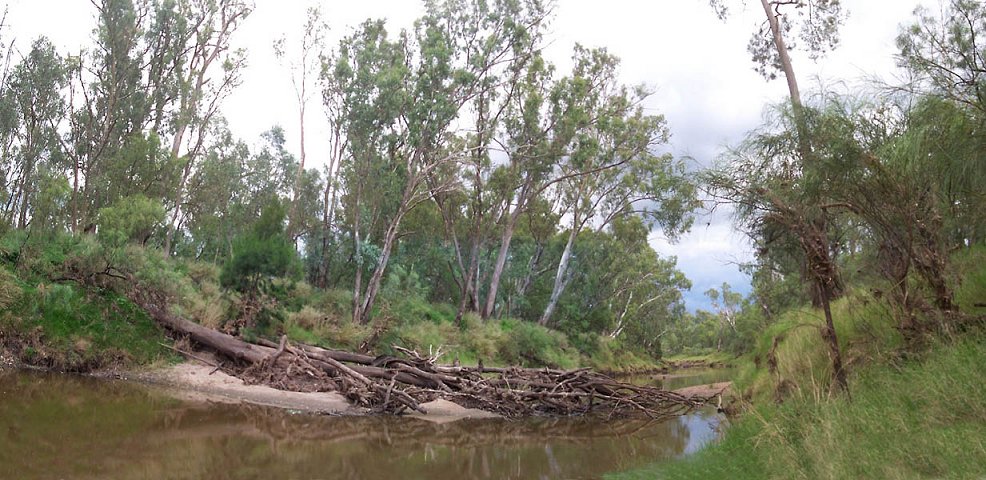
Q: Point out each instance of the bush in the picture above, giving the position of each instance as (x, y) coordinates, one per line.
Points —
(78, 330)
(261, 255)
(612, 356)
(308, 318)
(532, 345)
(129, 219)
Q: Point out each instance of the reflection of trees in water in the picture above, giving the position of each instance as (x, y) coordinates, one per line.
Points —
(195, 440)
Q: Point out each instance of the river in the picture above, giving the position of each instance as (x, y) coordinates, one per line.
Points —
(56, 426)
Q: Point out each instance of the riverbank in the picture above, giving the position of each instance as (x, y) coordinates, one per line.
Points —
(916, 408)
(66, 303)
(921, 418)
(196, 381)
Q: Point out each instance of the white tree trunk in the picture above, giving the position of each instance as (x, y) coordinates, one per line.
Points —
(562, 278)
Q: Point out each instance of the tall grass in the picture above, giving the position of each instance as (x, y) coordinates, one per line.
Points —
(923, 419)
(912, 414)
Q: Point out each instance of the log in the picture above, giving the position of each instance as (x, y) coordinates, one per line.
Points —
(394, 385)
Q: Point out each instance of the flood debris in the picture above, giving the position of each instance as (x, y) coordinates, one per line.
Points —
(395, 385)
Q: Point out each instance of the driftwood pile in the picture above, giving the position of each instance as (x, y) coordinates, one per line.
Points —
(394, 385)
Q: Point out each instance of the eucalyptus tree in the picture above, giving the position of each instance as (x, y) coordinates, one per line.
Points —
(304, 60)
(622, 288)
(8, 126)
(209, 71)
(536, 136)
(108, 102)
(217, 209)
(611, 169)
(402, 100)
(514, 32)
(155, 77)
(727, 304)
(34, 108)
(333, 105)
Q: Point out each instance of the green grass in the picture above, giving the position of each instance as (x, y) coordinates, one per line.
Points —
(914, 412)
(923, 419)
(65, 327)
(866, 332)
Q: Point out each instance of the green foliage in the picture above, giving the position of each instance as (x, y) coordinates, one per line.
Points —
(920, 419)
(529, 344)
(970, 295)
(130, 219)
(10, 289)
(81, 331)
(261, 255)
(611, 356)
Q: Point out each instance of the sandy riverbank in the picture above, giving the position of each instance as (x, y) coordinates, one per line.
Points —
(706, 391)
(195, 381)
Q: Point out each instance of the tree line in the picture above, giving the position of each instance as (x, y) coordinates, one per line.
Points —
(464, 167)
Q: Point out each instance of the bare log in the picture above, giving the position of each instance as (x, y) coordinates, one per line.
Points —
(394, 385)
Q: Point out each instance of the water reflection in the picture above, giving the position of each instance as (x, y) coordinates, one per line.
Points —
(54, 426)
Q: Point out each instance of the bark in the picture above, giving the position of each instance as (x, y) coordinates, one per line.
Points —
(532, 266)
(835, 355)
(823, 271)
(501, 261)
(811, 232)
(792, 80)
(292, 219)
(373, 286)
(358, 277)
(562, 277)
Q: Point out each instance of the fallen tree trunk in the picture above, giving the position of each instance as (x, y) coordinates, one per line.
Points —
(394, 385)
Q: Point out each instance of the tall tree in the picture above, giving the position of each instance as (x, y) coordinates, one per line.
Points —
(818, 27)
(611, 170)
(210, 71)
(402, 98)
(34, 93)
(727, 303)
(304, 61)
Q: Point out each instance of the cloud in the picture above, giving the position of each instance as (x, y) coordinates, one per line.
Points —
(709, 255)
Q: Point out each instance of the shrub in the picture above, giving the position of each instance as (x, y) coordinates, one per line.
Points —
(532, 345)
(308, 318)
(335, 303)
(129, 219)
(260, 255)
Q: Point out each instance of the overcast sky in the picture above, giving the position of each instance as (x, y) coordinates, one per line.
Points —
(699, 67)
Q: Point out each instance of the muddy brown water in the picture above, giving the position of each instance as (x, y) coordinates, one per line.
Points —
(59, 426)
